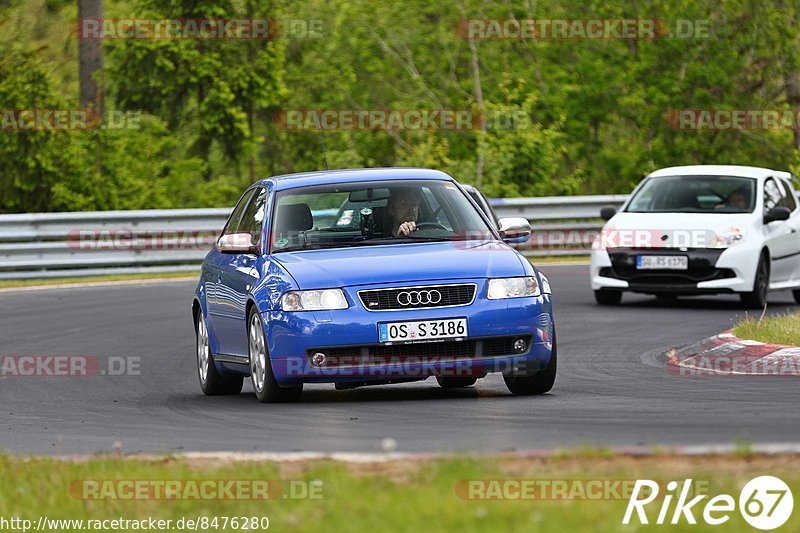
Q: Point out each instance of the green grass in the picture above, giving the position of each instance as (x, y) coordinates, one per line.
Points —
(12, 283)
(784, 329)
(393, 496)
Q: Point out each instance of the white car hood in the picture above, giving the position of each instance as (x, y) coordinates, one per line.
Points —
(682, 229)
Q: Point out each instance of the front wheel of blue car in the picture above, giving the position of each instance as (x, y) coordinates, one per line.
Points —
(265, 385)
(211, 382)
(538, 383)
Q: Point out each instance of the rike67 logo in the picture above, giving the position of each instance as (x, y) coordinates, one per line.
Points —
(765, 503)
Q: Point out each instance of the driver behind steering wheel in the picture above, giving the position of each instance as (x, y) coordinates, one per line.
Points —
(403, 209)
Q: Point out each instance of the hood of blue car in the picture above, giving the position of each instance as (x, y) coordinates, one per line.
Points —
(400, 263)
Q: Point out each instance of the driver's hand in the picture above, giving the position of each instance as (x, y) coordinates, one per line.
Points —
(406, 228)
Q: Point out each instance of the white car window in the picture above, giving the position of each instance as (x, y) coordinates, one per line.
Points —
(772, 195)
(789, 200)
(695, 194)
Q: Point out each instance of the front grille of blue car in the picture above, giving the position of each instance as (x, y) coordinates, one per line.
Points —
(424, 297)
(427, 352)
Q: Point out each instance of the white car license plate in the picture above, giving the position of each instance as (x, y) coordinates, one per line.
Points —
(662, 262)
(423, 330)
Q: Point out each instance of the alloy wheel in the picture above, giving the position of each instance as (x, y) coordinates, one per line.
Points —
(258, 354)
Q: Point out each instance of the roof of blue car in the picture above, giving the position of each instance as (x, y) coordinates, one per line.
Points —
(325, 177)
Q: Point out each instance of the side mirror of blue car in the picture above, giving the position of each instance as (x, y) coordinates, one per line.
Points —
(237, 243)
(515, 229)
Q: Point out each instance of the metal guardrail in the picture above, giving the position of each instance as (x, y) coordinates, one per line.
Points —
(555, 207)
(51, 245)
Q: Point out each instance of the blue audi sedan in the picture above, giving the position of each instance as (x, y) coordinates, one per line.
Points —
(365, 277)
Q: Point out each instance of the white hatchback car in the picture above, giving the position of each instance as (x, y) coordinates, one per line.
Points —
(703, 229)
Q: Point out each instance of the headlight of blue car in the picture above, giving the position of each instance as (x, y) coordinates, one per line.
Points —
(321, 300)
(513, 288)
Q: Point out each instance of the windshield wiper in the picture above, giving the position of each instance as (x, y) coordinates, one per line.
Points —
(427, 238)
(405, 239)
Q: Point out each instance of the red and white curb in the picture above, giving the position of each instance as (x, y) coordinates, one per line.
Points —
(728, 355)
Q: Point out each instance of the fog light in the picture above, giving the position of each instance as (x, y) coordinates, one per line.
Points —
(319, 359)
(520, 345)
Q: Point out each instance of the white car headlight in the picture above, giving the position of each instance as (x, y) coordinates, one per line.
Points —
(513, 288)
(321, 300)
(731, 236)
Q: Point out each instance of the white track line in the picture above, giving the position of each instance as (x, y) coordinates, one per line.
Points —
(100, 284)
(360, 458)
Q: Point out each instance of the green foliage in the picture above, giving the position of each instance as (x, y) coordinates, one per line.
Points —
(212, 88)
(31, 162)
(130, 169)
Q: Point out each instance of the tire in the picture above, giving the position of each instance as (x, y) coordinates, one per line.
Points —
(757, 299)
(211, 381)
(608, 296)
(796, 295)
(538, 383)
(454, 383)
(265, 385)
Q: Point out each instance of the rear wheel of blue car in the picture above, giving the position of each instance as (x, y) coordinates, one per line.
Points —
(538, 383)
(211, 381)
(265, 385)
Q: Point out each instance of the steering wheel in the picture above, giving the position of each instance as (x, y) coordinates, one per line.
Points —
(430, 225)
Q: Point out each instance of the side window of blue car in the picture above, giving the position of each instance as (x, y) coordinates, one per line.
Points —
(252, 220)
(232, 226)
(436, 215)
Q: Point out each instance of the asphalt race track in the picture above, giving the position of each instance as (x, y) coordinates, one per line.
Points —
(612, 389)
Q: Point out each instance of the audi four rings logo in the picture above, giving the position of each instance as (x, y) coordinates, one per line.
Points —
(419, 297)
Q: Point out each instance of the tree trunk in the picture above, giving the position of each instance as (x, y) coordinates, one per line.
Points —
(90, 60)
(476, 78)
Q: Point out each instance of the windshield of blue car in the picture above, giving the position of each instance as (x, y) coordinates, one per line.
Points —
(695, 194)
(372, 213)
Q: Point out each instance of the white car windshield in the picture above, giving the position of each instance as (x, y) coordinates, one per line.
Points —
(695, 194)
